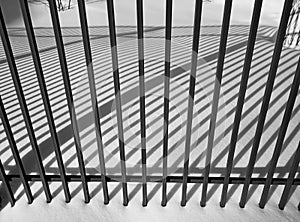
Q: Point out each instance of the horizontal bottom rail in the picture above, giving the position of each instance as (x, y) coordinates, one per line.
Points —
(170, 179)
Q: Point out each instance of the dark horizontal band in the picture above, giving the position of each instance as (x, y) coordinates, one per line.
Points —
(169, 179)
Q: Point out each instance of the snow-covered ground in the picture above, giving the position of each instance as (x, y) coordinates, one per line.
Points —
(57, 210)
(154, 13)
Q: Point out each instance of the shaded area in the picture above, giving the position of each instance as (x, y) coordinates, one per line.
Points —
(11, 10)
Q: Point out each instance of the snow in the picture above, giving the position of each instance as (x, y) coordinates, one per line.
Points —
(154, 13)
(77, 210)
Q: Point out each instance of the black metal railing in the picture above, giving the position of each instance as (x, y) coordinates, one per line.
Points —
(293, 29)
(103, 177)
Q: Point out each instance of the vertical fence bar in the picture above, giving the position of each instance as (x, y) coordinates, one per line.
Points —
(6, 185)
(23, 105)
(43, 88)
(70, 101)
(296, 23)
(15, 152)
(140, 33)
(195, 48)
(289, 27)
(298, 38)
(290, 20)
(281, 135)
(290, 180)
(216, 95)
(292, 14)
(241, 97)
(90, 69)
(294, 28)
(114, 54)
(267, 96)
(168, 36)
(243, 86)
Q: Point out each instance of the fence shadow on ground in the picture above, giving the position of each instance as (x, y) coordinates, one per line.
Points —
(154, 67)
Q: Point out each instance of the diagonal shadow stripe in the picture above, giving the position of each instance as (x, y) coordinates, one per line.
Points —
(28, 54)
(65, 134)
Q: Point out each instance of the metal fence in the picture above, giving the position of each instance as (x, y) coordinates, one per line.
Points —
(144, 179)
(293, 29)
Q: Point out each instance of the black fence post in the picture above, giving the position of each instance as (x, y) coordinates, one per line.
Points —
(91, 76)
(168, 37)
(243, 87)
(140, 33)
(195, 48)
(114, 54)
